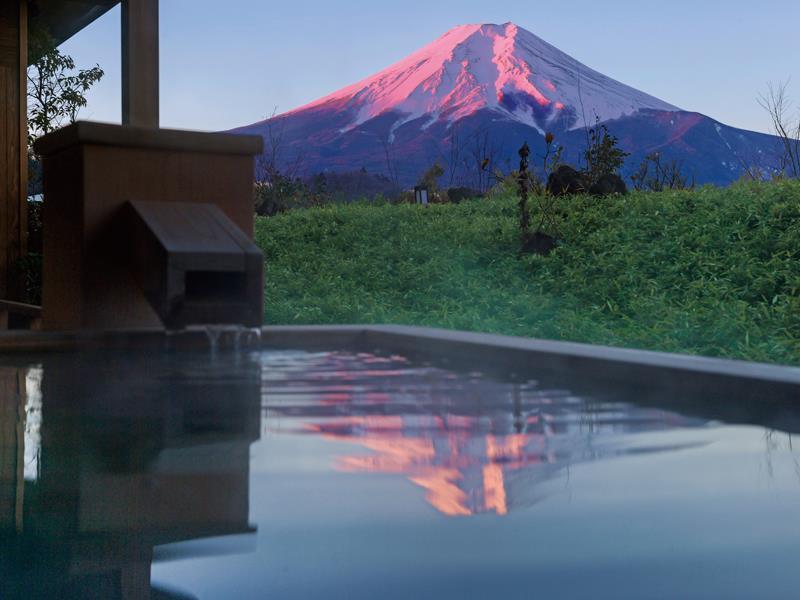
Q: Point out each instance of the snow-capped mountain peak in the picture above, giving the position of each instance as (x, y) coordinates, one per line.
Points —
(503, 68)
(479, 93)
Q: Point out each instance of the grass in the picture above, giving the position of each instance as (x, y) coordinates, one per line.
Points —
(711, 271)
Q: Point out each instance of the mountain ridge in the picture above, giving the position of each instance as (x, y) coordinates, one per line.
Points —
(497, 78)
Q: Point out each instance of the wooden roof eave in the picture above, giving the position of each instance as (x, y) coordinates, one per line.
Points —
(65, 18)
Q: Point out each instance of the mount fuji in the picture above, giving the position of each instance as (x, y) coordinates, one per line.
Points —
(480, 91)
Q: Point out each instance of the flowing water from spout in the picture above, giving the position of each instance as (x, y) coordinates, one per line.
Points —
(240, 337)
(213, 333)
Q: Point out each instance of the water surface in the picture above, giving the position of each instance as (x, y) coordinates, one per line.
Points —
(346, 475)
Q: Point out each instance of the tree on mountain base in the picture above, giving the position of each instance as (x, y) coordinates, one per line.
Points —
(603, 155)
(778, 105)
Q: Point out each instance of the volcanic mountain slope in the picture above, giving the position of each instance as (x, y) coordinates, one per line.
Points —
(478, 93)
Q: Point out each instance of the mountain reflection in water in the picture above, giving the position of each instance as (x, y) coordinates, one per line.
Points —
(251, 475)
(474, 445)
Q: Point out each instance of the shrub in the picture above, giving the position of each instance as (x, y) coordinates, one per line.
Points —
(28, 271)
(459, 194)
(653, 175)
(280, 195)
(603, 156)
(710, 271)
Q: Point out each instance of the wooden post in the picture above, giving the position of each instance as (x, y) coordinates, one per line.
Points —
(140, 95)
(13, 142)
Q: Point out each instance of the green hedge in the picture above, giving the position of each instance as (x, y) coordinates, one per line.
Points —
(711, 271)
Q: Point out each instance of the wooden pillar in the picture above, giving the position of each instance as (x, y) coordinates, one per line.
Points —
(13, 142)
(140, 95)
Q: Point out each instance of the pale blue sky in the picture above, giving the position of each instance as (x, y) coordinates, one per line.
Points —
(228, 64)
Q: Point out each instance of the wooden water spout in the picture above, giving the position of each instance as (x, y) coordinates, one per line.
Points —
(194, 265)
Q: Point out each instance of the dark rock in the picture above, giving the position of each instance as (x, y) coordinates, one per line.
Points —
(459, 194)
(609, 185)
(539, 243)
(566, 181)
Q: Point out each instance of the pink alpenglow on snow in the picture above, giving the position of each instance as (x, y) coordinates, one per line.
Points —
(489, 89)
(525, 79)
